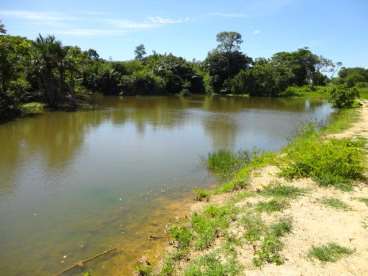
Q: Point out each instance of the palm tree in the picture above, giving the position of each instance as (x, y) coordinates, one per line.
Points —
(50, 61)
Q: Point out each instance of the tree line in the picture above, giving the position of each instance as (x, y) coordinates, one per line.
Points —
(64, 77)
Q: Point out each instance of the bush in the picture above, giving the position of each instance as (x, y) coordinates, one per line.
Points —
(343, 96)
(32, 108)
(224, 163)
(330, 163)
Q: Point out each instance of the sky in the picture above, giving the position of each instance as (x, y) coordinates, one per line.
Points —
(336, 29)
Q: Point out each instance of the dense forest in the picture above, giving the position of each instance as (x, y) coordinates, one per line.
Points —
(64, 77)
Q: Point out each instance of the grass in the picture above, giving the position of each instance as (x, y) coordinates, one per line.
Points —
(334, 162)
(182, 235)
(201, 194)
(335, 203)
(330, 252)
(341, 120)
(282, 191)
(254, 227)
(282, 227)
(211, 264)
(273, 205)
(224, 163)
(207, 225)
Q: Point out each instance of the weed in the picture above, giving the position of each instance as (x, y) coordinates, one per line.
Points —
(182, 235)
(330, 252)
(277, 190)
(201, 194)
(269, 251)
(279, 229)
(224, 163)
(335, 203)
(168, 266)
(273, 205)
(254, 227)
(211, 264)
(334, 162)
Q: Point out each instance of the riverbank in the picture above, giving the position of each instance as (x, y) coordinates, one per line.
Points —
(302, 211)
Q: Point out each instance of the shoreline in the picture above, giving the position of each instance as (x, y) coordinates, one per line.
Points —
(258, 176)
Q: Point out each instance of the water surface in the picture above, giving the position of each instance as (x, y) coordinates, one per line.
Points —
(75, 184)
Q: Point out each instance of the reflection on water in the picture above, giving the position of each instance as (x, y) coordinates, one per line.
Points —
(75, 184)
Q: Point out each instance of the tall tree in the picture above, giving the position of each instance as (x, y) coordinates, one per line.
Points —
(229, 41)
(2, 28)
(140, 52)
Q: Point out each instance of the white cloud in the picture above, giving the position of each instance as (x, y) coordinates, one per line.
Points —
(75, 24)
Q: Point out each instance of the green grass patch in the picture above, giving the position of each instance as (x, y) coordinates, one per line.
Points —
(212, 265)
(282, 227)
(212, 221)
(282, 191)
(254, 227)
(335, 203)
(270, 206)
(182, 235)
(269, 251)
(330, 252)
(334, 162)
(201, 194)
(225, 163)
(341, 120)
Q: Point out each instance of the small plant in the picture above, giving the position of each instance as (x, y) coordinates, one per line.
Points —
(211, 264)
(168, 266)
(274, 205)
(210, 222)
(254, 227)
(224, 163)
(335, 203)
(269, 251)
(330, 252)
(143, 269)
(277, 190)
(279, 229)
(182, 235)
(201, 195)
(342, 96)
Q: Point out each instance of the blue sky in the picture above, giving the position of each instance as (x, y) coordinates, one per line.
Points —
(336, 29)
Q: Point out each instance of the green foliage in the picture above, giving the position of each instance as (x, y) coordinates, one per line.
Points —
(182, 235)
(211, 264)
(282, 191)
(201, 194)
(254, 227)
(269, 251)
(334, 162)
(352, 76)
(343, 96)
(273, 205)
(224, 163)
(330, 252)
(32, 108)
(335, 203)
(282, 227)
(211, 222)
(168, 267)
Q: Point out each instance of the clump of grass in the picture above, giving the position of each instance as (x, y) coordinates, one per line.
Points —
(341, 120)
(211, 264)
(273, 205)
(335, 162)
(168, 266)
(182, 235)
(363, 199)
(254, 227)
(143, 269)
(201, 195)
(282, 227)
(269, 251)
(282, 191)
(335, 203)
(330, 252)
(224, 163)
(210, 223)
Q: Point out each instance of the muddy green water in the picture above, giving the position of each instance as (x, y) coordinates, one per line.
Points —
(75, 184)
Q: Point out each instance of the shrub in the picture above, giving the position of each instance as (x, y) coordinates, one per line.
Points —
(182, 235)
(343, 96)
(330, 252)
(333, 162)
(224, 163)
